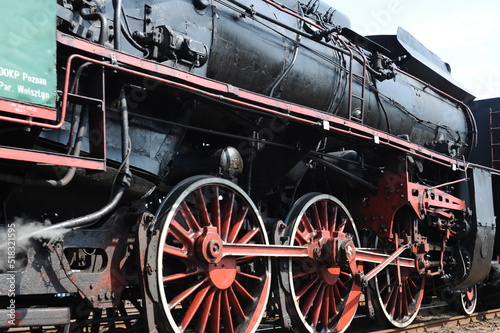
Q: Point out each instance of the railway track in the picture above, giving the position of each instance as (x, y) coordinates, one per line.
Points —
(430, 319)
(443, 322)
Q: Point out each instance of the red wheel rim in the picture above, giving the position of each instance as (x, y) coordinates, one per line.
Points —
(228, 295)
(397, 292)
(398, 295)
(323, 295)
(466, 301)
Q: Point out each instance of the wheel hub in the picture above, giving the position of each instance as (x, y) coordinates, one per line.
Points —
(209, 246)
(223, 273)
(330, 275)
(470, 294)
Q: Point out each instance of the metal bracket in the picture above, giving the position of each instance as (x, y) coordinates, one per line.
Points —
(144, 277)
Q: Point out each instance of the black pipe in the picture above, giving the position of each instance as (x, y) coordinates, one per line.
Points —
(118, 23)
(88, 220)
(126, 145)
(128, 35)
(79, 222)
(343, 172)
(252, 12)
(103, 34)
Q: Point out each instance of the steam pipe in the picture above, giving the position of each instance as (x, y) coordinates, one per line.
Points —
(128, 36)
(79, 222)
(125, 131)
(118, 23)
(342, 172)
(88, 220)
(103, 34)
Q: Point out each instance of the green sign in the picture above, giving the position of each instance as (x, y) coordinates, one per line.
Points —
(28, 51)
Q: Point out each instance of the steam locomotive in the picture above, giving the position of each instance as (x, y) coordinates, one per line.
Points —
(231, 165)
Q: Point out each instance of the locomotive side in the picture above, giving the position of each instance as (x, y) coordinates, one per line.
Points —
(192, 166)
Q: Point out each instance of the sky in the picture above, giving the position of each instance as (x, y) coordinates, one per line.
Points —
(463, 33)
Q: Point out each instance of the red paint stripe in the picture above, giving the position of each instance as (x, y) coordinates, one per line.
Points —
(27, 111)
(51, 158)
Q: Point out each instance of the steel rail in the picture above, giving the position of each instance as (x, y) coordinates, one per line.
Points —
(437, 324)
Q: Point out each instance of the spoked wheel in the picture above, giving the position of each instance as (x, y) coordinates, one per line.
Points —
(398, 295)
(322, 295)
(466, 301)
(199, 290)
(397, 291)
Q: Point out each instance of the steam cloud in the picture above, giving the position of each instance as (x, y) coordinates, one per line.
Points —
(19, 232)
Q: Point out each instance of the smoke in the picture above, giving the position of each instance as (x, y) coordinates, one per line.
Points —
(16, 235)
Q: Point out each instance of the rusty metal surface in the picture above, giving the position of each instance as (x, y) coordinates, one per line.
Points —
(48, 270)
(34, 317)
(115, 238)
(146, 254)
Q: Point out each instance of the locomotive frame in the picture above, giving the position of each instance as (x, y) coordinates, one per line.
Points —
(213, 250)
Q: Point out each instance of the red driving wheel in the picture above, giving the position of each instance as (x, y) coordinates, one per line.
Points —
(200, 291)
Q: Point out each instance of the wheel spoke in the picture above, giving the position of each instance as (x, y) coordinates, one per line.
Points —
(318, 305)
(226, 313)
(391, 300)
(412, 284)
(325, 309)
(181, 234)
(248, 236)
(341, 284)
(333, 301)
(242, 291)
(235, 304)
(245, 259)
(215, 209)
(316, 221)
(227, 216)
(186, 293)
(202, 208)
(178, 276)
(409, 293)
(302, 237)
(333, 219)
(205, 311)
(193, 307)
(324, 214)
(249, 276)
(188, 217)
(300, 274)
(216, 312)
(175, 251)
(404, 301)
(342, 225)
(309, 301)
(306, 223)
(235, 230)
(306, 287)
(336, 292)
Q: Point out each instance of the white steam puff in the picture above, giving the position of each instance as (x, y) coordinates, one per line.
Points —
(18, 233)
